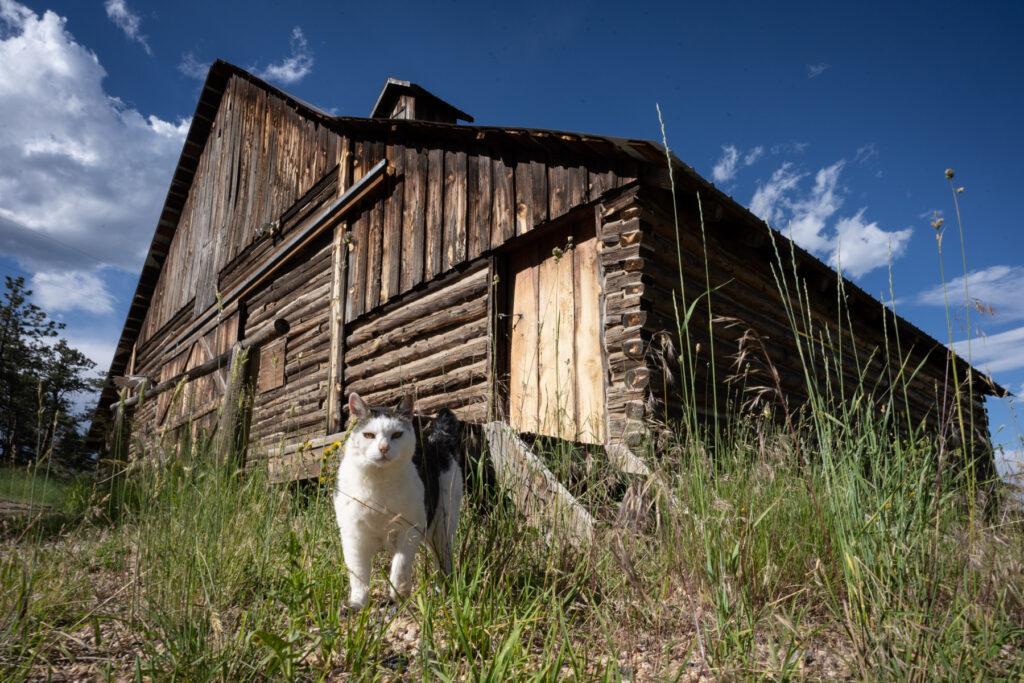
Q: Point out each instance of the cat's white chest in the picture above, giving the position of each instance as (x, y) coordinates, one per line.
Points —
(380, 504)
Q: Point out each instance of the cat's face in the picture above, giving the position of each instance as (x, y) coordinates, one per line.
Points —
(382, 437)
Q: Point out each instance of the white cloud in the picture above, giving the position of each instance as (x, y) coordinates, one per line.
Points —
(753, 154)
(809, 215)
(83, 175)
(858, 244)
(293, 68)
(815, 70)
(128, 21)
(725, 167)
(193, 67)
(729, 163)
(99, 351)
(72, 290)
(851, 242)
(997, 287)
(866, 153)
(996, 352)
(768, 197)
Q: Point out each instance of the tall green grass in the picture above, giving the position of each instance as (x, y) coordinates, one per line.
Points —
(832, 543)
(857, 564)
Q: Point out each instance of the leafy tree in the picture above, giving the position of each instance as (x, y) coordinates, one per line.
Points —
(39, 376)
(64, 373)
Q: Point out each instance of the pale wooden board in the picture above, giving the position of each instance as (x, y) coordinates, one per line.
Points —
(556, 334)
(523, 378)
(534, 490)
(567, 419)
(590, 376)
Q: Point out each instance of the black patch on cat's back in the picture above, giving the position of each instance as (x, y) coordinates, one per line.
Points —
(437, 444)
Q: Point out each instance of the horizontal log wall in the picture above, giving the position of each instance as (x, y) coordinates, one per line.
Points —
(260, 157)
(194, 404)
(294, 411)
(745, 297)
(434, 344)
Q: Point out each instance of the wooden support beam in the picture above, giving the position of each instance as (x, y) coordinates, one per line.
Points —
(279, 327)
(226, 443)
(533, 489)
(339, 286)
(326, 217)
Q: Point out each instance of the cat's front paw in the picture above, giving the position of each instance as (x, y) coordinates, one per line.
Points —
(354, 605)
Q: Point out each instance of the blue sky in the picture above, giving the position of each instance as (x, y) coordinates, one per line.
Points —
(833, 120)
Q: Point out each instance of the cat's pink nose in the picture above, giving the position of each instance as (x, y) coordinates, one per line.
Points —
(384, 448)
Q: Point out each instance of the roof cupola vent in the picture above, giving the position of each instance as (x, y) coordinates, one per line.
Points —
(405, 100)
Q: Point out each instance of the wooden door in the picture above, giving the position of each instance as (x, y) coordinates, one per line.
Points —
(556, 357)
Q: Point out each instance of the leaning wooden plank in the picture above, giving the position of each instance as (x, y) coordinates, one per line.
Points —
(624, 460)
(226, 440)
(545, 503)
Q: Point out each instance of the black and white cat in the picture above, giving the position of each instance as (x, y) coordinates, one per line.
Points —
(399, 483)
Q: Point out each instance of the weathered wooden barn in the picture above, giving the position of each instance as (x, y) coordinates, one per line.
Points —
(507, 273)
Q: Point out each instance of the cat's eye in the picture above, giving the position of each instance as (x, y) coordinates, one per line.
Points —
(368, 435)
(396, 435)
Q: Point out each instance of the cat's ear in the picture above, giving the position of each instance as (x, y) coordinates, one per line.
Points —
(357, 407)
(405, 406)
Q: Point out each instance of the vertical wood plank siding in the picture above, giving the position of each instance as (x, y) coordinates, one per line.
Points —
(442, 208)
(260, 157)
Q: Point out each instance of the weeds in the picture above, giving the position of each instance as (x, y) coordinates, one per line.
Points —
(827, 541)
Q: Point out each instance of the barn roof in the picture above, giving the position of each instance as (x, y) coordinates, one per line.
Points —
(644, 153)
